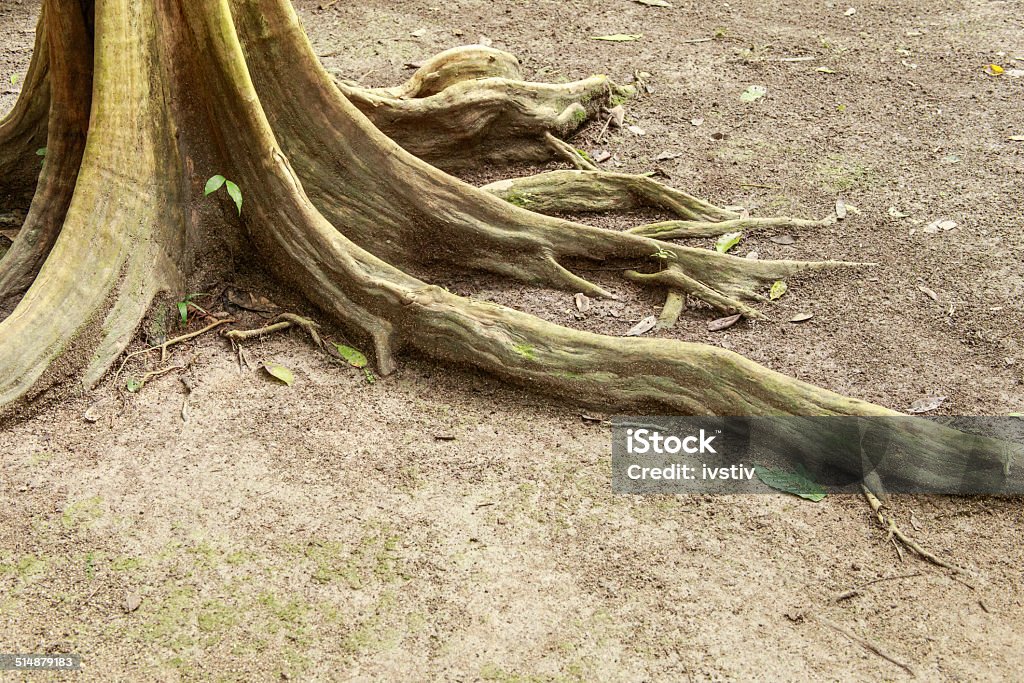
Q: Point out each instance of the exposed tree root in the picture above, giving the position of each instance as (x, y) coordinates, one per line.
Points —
(896, 535)
(162, 348)
(23, 130)
(70, 88)
(118, 246)
(410, 214)
(285, 321)
(470, 106)
(583, 191)
(327, 199)
(601, 191)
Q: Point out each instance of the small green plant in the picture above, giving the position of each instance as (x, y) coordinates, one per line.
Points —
(218, 181)
(188, 301)
(14, 79)
(663, 254)
(41, 153)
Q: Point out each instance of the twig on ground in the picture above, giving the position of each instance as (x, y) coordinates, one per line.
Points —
(866, 644)
(854, 592)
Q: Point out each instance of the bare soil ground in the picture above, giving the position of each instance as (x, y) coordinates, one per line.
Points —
(324, 532)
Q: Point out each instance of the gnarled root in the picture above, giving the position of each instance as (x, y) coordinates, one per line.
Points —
(411, 214)
(395, 309)
(589, 191)
(23, 130)
(470, 106)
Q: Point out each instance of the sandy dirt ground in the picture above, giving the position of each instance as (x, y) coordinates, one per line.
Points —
(436, 525)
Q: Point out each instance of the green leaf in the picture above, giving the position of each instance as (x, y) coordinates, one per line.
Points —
(728, 241)
(655, 3)
(370, 377)
(214, 184)
(132, 385)
(352, 356)
(41, 152)
(235, 194)
(278, 371)
(796, 483)
(753, 93)
(183, 311)
(778, 289)
(14, 79)
(619, 37)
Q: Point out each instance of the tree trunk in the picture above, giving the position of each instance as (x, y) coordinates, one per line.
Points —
(185, 89)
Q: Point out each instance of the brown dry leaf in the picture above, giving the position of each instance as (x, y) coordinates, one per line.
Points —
(582, 302)
(667, 156)
(801, 317)
(636, 130)
(783, 239)
(724, 323)
(602, 157)
(642, 327)
(753, 256)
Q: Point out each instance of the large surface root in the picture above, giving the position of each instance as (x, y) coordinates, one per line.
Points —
(23, 130)
(394, 309)
(470, 106)
(70, 87)
(581, 191)
(409, 213)
(117, 248)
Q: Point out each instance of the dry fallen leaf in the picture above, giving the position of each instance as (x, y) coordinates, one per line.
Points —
(801, 317)
(697, 122)
(636, 130)
(602, 157)
(924, 405)
(753, 256)
(850, 11)
(667, 156)
(930, 293)
(642, 327)
(618, 114)
(582, 302)
(840, 209)
(937, 225)
(783, 239)
(724, 323)
(994, 70)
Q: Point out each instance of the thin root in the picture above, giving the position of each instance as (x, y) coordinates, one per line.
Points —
(162, 348)
(896, 534)
(281, 323)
